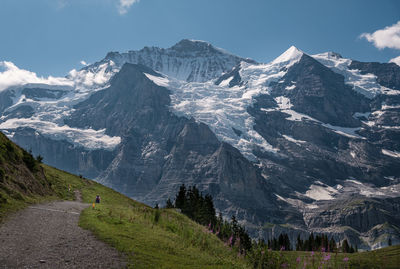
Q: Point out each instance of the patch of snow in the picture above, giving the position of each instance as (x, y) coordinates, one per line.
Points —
(386, 107)
(283, 102)
(349, 132)
(160, 81)
(294, 202)
(284, 106)
(388, 91)
(365, 84)
(226, 82)
(318, 192)
(389, 127)
(280, 197)
(88, 138)
(291, 139)
(354, 181)
(289, 88)
(390, 153)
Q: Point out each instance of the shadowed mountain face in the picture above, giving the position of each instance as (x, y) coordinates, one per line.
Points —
(160, 151)
(302, 144)
(387, 74)
(321, 94)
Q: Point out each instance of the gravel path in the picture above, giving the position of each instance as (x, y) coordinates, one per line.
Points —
(48, 236)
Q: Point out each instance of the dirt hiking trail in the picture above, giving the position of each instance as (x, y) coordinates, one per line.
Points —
(48, 236)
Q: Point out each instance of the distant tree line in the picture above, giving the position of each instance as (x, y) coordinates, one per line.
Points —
(281, 243)
(199, 208)
(322, 243)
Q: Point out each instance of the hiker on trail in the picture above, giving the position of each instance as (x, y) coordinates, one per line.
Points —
(98, 199)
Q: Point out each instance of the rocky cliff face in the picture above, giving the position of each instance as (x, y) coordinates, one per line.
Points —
(302, 144)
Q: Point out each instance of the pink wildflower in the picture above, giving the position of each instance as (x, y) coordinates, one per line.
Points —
(230, 240)
(298, 259)
(327, 257)
(346, 259)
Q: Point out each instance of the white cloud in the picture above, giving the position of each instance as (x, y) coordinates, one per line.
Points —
(11, 75)
(389, 37)
(395, 60)
(83, 63)
(124, 5)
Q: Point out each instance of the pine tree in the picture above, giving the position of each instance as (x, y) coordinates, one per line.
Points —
(210, 209)
(180, 199)
(299, 244)
(311, 240)
(345, 246)
(169, 204)
(332, 245)
(288, 246)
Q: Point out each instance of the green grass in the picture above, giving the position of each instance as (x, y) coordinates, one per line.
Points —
(388, 258)
(154, 238)
(148, 237)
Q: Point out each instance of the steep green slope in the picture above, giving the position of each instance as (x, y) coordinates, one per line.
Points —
(22, 179)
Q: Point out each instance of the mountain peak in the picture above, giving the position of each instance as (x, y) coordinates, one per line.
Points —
(193, 45)
(291, 54)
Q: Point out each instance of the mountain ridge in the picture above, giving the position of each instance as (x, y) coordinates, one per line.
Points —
(281, 142)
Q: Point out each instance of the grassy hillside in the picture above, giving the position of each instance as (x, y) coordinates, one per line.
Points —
(22, 179)
(388, 258)
(149, 237)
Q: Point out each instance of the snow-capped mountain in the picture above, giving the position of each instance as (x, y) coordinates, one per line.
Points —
(312, 141)
(188, 60)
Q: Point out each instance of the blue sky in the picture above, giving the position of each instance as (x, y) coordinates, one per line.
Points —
(54, 36)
